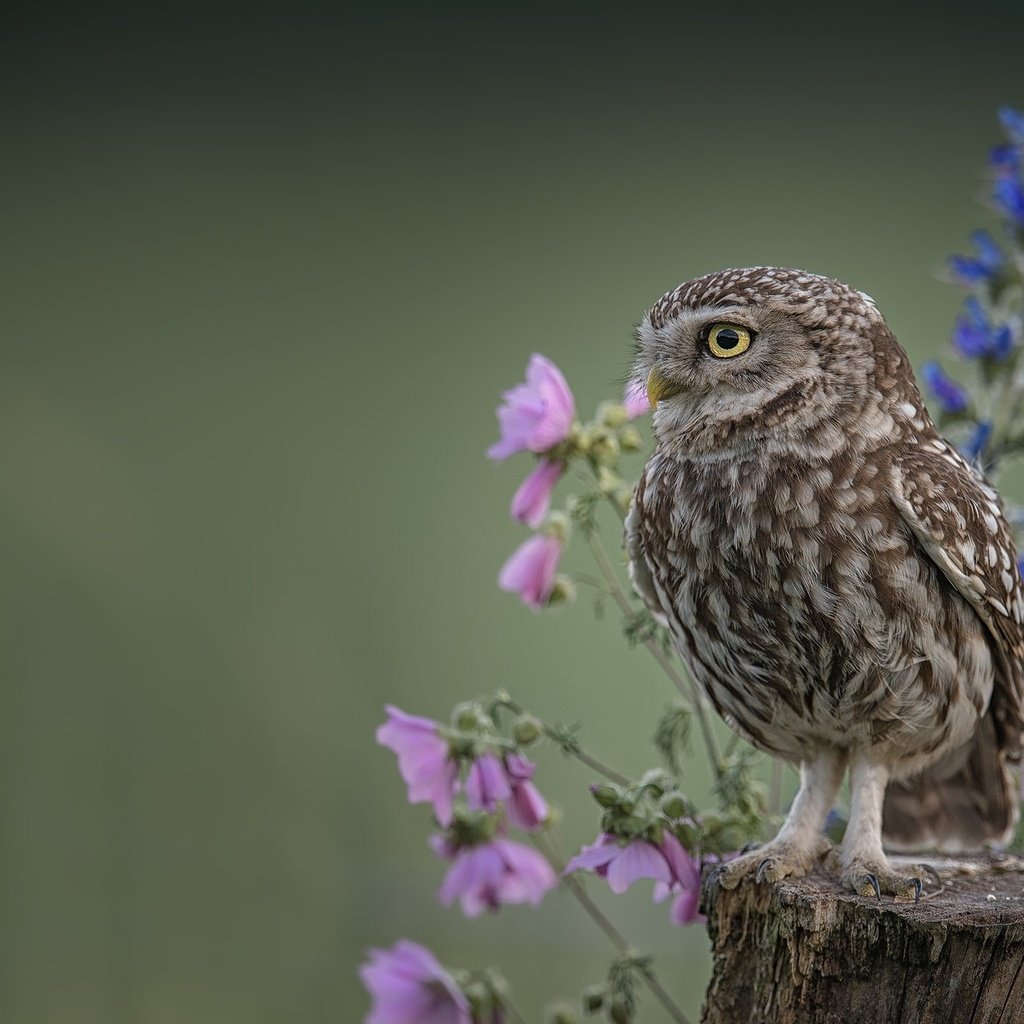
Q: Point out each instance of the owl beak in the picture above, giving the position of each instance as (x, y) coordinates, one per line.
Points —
(659, 387)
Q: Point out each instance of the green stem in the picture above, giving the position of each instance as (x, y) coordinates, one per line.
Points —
(614, 936)
(592, 763)
(686, 687)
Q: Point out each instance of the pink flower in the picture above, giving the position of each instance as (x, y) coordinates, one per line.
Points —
(530, 570)
(620, 865)
(485, 877)
(531, 502)
(408, 986)
(685, 882)
(486, 785)
(526, 809)
(536, 415)
(424, 760)
(635, 399)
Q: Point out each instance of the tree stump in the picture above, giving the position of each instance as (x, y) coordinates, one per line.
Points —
(808, 952)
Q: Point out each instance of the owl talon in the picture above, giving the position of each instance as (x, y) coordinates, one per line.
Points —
(872, 879)
(752, 845)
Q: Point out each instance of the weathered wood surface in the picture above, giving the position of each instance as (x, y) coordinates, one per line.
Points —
(807, 952)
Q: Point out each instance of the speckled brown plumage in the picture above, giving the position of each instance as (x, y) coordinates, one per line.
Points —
(842, 585)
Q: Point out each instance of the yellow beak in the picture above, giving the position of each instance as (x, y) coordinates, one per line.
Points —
(659, 387)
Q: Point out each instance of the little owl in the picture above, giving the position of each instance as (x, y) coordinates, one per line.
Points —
(841, 583)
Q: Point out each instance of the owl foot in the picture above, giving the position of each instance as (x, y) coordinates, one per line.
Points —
(870, 878)
(772, 862)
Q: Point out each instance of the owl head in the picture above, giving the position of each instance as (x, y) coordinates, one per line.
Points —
(742, 357)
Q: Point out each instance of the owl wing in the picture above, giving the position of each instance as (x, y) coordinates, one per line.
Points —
(958, 520)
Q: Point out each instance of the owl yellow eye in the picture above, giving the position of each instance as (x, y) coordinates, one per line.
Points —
(727, 340)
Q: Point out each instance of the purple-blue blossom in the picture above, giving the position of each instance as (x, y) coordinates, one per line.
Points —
(984, 265)
(950, 395)
(976, 337)
(976, 443)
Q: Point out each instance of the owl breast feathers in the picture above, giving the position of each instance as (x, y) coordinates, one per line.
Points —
(840, 582)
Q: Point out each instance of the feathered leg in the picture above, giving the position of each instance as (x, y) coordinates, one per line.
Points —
(800, 842)
(865, 868)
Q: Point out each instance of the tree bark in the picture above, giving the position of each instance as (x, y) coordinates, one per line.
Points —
(808, 952)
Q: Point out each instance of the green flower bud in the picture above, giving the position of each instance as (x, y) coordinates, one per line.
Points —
(593, 998)
(612, 414)
(655, 781)
(607, 795)
(674, 805)
(608, 480)
(688, 834)
(471, 717)
(559, 526)
(631, 439)
(604, 446)
(526, 729)
(620, 1013)
(479, 996)
(563, 590)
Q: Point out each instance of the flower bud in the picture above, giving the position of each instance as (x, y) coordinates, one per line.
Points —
(592, 998)
(526, 729)
(674, 805)
(620, 1013)
(656, 781)
(608, 480)
(563, 590)
(604, 446)
(612, 414)
(630, 439)
(607, 795)
(558, 526)
(470, 717)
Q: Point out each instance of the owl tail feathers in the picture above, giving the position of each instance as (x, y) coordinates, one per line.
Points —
(966, 803)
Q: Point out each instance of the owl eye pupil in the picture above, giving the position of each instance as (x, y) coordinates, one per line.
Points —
(727, 338)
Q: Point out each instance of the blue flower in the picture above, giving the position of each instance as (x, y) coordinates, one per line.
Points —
(978, 440)
(984, 266)
(952, 398)
(975, 338)
(1013, 124)
(1008, 196)
(1004, 160)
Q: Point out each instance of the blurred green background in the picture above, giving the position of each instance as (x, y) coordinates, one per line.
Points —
(265, 274)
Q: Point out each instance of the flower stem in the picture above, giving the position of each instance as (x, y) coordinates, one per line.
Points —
(614, 936)
(685, 686)
(592, 762)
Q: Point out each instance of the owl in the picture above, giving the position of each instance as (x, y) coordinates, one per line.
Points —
(841, 583)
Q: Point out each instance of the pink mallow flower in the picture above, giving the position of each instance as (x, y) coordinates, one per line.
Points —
(622, 865)
(486, 876)
(486, 784)
(531, 502)
(635, 399)
(424, 760)
(685, 884)
(535, 415)
(526, 809)
(408, 986)
(530, 570)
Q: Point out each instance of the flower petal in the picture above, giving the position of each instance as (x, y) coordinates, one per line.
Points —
(637, 860)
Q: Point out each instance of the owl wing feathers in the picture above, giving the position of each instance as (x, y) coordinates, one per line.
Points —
(958, 520)
(966, 801)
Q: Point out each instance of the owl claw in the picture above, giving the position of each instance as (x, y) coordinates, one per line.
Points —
(747, 847)
(871, 879)
(771, 863)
